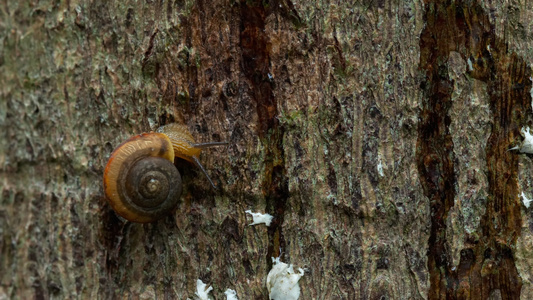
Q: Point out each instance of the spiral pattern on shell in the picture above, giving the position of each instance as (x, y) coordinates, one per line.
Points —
(141, 182)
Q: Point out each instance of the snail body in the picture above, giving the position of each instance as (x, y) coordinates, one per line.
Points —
(141, 182)
(182, 141)
(185, 147)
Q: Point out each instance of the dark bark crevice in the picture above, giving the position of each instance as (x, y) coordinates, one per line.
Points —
(255, 66)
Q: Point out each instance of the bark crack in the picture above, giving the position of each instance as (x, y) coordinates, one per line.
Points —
(256, 68)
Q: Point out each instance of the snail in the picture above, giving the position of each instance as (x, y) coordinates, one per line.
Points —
(141, 182)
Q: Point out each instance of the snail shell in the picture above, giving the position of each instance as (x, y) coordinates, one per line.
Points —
(141, 182)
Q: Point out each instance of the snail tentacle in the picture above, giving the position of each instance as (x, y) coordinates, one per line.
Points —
(209, 145)
(199, 165)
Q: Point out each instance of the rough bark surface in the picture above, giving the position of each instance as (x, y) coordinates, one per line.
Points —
(374, 131)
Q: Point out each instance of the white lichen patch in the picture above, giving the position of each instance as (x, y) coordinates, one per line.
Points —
(470, 65)
(259, 218)
(527, 143)
(282, 281)
(380, 169)
(231, 294)
(525, 200)
(201, 290)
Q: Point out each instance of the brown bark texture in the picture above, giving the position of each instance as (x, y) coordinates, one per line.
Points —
(376, 132)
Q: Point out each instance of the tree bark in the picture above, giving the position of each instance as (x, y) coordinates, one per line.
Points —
(375, 132)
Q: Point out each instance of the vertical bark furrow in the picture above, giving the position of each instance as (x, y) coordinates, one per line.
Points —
(487, 261)
(435, 146)
(255, 67)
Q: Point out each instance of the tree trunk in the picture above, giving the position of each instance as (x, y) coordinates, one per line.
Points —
(375, 132)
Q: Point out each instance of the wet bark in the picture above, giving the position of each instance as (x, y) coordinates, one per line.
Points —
(375, 132)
